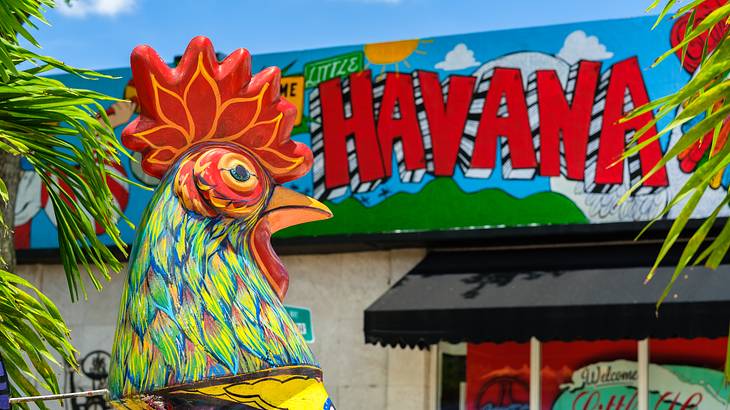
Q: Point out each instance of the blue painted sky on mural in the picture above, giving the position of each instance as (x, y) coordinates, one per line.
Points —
(613, 41)
(101, 33)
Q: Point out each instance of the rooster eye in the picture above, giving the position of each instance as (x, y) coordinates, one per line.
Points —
(240, 173)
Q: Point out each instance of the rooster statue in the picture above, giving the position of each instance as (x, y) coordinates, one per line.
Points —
(201, 323)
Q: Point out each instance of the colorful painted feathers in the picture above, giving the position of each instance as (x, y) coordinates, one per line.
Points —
(201, 322)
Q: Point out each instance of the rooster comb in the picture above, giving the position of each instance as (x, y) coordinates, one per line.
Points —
(202, 100)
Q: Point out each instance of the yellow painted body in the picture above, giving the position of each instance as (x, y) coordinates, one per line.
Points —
(291, 392)
(287, 388)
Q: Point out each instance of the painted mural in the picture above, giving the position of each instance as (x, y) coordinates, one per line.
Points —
(485, 130)
(600, 375)
(201, 321)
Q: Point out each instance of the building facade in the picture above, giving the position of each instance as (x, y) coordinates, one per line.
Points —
(479, 257)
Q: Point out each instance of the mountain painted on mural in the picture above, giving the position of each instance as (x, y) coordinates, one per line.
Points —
(432, 209)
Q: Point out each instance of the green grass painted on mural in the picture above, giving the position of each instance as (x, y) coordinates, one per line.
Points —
(442, 205)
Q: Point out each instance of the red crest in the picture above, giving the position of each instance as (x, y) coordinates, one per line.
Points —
(203, 100)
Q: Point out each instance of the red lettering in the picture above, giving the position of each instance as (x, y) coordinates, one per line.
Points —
(661, 400)
(626, 76)
(613, 405)
(577, 399)
(337, 127)
(690, 403)
(675, 401)
(399, 93)
(611, 402)
(446, 120)
(631, 405)
(515, 126)
(571, 121)
(564, 125)
(591, 403)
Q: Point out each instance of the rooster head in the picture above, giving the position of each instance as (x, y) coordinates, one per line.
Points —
(221, 136)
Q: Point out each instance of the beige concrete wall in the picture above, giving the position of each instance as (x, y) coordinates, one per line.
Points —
(337, 288)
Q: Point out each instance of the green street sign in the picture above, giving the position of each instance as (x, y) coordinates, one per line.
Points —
(302, 317)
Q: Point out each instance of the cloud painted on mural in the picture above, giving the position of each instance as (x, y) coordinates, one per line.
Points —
(458, 59)
(579, 46)
(107, 8)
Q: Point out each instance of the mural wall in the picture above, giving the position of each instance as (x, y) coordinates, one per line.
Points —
(485, 130)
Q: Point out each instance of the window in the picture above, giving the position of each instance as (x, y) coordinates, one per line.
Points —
(584, 375)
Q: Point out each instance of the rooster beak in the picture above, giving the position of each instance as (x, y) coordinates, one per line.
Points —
(285, 208)
(288, 208)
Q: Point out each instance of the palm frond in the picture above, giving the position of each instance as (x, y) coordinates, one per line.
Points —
(65, 134)
(31, 329)
(704, 96)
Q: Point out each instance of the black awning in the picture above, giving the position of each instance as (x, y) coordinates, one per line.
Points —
(468, 297)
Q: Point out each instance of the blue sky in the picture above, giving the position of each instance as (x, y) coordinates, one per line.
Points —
(101, 33)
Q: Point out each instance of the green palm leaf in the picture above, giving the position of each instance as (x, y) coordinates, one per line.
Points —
(706, 94)
(57, 129)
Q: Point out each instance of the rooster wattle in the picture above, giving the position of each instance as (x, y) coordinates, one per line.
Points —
(201, 323)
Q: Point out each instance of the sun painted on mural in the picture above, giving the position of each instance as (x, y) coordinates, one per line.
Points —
(392, 53)
(513, 128)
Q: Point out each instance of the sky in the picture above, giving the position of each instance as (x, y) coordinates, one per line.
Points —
(100, 34)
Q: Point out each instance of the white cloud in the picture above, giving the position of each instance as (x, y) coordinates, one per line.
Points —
(458, 58)
(83, 8)
(578, 46)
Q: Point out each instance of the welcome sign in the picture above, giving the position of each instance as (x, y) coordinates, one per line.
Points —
(612, 385)
(486, 130)
(598, 375)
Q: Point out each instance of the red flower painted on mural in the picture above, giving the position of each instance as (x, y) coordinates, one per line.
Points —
(695, 47)
(690, 158)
